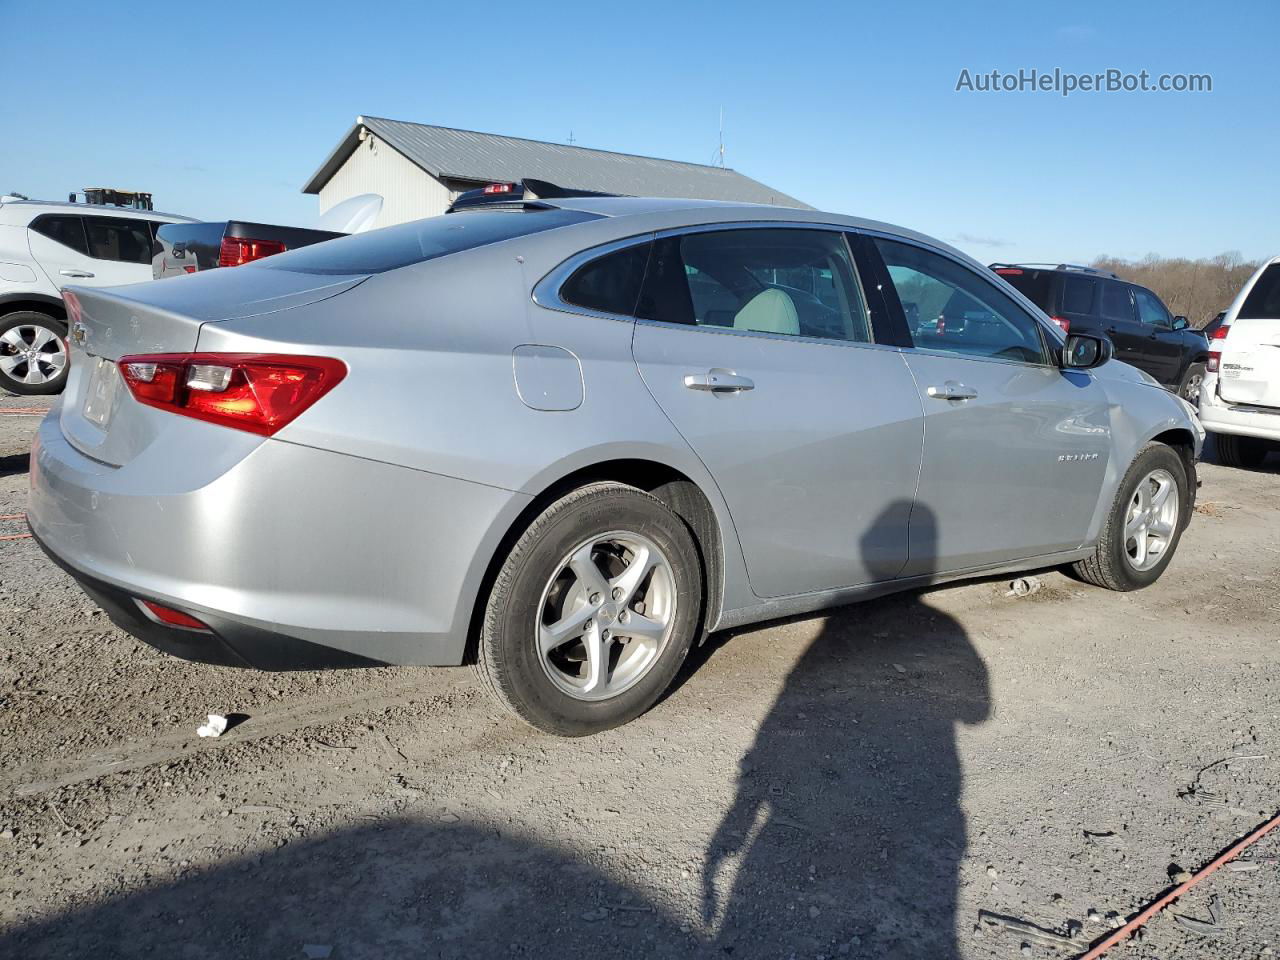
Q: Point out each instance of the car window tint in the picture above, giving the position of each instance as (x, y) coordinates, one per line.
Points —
(1263, 302)
(610, 283)
(125, 241)
(781, 281)
(1077, 294)
(1032, 284)
(1116, 302)
(418, 241)
(1150, 310)
(66, 230)
(952, 308)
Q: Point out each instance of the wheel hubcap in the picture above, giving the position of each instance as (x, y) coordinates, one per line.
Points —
(1192, 392)
(32, 354)
(1151, 520)
(606, 615)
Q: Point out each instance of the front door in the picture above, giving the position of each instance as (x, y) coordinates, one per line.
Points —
(1163, 348)
(1016, 449)
(756, 343)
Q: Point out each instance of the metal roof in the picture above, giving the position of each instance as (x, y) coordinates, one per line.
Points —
(445, 152)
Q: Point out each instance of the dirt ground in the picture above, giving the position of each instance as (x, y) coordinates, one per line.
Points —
(862, 783)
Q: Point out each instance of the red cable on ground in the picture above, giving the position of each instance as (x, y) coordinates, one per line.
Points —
(18, 536)
(1230, 854)
(13, 516)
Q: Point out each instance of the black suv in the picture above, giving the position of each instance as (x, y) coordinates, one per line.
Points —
(1085, 300)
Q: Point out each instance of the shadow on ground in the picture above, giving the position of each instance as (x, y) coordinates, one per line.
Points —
(845, 831)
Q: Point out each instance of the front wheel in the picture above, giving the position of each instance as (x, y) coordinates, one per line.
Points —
(33, 353)
(1145, 524)
(593, 611)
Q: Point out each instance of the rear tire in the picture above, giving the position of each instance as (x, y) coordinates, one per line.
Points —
(569, 644)
(33, 353)
(1189, 390)
(1119, 563)
(1243, 452)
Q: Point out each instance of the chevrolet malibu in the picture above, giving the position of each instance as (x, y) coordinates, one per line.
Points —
(564, 439)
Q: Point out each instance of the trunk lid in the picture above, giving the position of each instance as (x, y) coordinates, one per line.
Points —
(1249, 371)
(99, 416)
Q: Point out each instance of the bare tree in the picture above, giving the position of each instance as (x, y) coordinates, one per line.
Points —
(1196, 289)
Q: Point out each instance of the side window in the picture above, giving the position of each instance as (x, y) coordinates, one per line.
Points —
(797, 283)
(951, 308)
(1151, 311)
(610, 283)
(64, 229)
(111, 238)
(1077, 294)
(1116, 302)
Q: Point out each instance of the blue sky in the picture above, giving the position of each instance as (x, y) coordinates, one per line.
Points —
(852, 107)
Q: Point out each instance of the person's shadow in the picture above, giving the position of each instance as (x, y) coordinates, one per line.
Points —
(847, 826)
(846, 830)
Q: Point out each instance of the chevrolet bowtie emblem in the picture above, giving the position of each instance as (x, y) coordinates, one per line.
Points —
(79, 332)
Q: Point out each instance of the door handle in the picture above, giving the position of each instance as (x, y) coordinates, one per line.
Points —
(951, 390)
(1111, 331)
(75, 273)
(718, 380)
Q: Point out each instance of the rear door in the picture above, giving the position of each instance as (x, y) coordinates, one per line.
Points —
(756, 342)
(1015, 448)
(1249, 371)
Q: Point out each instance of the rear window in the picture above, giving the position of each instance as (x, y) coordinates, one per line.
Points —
(1032, 284)
(1263, 302)
(1077, 295)
(392, 247)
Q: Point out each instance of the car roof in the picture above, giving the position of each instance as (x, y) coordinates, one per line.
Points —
(683, 213)
(62, 206)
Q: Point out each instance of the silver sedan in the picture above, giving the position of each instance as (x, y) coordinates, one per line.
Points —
(564, 440)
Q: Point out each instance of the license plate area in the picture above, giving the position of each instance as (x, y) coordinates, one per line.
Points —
(100, 397)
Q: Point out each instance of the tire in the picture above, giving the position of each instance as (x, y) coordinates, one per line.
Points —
(1189, 389)
(29, 330)
(1114, 565)
(1242, 452)
(557, 691)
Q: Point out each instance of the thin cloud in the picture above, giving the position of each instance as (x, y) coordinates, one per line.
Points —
(1077, 32)
(982, 241)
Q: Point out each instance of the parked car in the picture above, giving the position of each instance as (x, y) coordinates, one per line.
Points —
(1145, 333)
(569, 437)
(182, 248)
(43, 247)
(1240, 403)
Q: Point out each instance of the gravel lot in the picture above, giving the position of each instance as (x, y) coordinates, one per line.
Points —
(857, 784)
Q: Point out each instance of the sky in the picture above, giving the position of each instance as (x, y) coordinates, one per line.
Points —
(226, 111)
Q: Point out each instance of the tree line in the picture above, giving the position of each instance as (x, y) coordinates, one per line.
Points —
(1195, 289)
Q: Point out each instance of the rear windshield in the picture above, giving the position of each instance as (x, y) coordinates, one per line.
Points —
(1263, 301)
(1032, 284)
(406, 243)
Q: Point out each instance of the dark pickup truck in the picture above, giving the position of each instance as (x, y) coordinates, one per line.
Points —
(1143, 331)
(192, 247)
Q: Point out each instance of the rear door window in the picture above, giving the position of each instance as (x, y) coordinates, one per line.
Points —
(1116, 304)
(1077, 294)
(64, 229)
(1263, 302)
(418, 241)
(118, 239)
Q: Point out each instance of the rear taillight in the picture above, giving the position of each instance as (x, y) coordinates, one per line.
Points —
(1215, 356)
(1063, 323)
(260, 393)
(171, 617)
(236, 251)
(941, 328)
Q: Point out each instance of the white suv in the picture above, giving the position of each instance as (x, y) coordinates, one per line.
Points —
(44, 247)
(1240, 399)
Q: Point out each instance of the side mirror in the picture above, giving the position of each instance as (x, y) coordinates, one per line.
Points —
(1082, 352)
(1181, 323)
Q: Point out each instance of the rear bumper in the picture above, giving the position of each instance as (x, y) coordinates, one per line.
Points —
(297, 558)
(1218, 416)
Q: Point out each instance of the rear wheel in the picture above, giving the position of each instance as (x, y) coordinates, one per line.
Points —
(33, 353)
(1145, 523)
(1191, 384)
(1235, 451)
(593, 611)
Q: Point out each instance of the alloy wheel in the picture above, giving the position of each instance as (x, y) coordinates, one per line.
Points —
(32, 354)
(606, 615)
(1151, 520)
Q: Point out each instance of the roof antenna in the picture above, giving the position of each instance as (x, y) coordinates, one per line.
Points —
(571, 140)
(719, 158)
